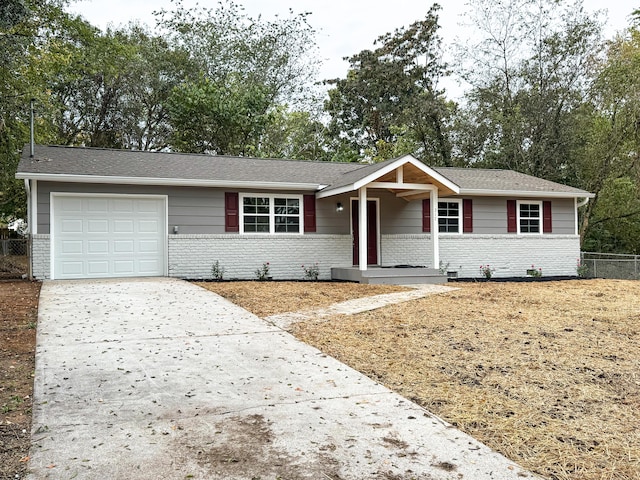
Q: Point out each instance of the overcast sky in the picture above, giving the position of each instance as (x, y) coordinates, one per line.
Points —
(345, 27)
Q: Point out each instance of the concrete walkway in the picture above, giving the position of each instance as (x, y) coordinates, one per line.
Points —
(358, 305)
(159, 378)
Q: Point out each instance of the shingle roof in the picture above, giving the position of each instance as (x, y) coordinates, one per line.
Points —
(363, 171)
(98, 162)
(477, 179)
(57, 161)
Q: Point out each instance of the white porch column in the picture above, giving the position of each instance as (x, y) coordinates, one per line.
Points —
(362, 228)
(435, 241)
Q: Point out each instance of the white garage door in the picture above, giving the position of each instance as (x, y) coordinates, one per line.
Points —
(99, 236)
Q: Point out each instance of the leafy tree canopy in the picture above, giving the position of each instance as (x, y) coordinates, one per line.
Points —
(610, 160)
(528, 64)
(279, 54)
(24, 24)
(392, 93)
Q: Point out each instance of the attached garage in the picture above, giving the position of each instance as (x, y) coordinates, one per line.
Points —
(102, 236)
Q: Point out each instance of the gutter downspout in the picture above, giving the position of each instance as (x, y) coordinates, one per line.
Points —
(577, 206)
(583, 202)
(27, 187)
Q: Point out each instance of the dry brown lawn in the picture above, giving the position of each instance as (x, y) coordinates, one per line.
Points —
(546, 373)
(271, 298)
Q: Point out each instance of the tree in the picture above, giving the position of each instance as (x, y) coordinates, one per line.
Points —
(529, 73)
(248, 67)
(225, 117)
(24, 24)
(156, 70)
(278, 55)
(12, 12)
(391, 93)
(109, 89)
(615, 218)
(610, 160)
(130, 88)
(293, 134)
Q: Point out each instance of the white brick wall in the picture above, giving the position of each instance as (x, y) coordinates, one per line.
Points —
(40, 255)
(191, 256)
(510, 255)
(409, 249)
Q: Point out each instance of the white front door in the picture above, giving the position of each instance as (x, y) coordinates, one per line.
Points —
(101, 236)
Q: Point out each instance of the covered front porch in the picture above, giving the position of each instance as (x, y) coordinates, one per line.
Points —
(406, 179)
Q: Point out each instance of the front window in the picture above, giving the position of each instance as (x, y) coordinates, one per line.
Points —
(287, 215)
(529, 217)
(271, 214)
(449, 217)
(256, 214)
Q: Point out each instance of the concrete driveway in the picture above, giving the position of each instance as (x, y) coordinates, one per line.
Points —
(158, 378)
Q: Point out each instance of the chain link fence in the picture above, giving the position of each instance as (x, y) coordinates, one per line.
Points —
(14, 261)
(610, 265)
(13, 247)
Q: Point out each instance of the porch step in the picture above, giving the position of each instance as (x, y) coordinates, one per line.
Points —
(389, 276)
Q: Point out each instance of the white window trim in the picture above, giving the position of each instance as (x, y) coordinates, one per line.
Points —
(272, 223)
(460, 215)
(540, 218)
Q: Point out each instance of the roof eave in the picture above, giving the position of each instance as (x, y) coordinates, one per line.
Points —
(524, 193)
(52, 177)
(330, 192)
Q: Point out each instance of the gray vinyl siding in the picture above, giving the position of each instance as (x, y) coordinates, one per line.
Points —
(563, 216)
(489, 215)
(328, 220)
(199, 210)
(397, 216)
(194, 210)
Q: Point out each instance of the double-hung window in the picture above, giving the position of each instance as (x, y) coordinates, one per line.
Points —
(271, 213)
(529, 217)
(449, 216)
